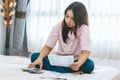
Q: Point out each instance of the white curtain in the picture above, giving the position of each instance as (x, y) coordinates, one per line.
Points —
(104, 18)
(105, 28)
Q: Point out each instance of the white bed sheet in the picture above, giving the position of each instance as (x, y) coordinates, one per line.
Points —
(10, 69)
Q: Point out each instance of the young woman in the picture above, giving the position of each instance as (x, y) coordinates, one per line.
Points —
(73, 37)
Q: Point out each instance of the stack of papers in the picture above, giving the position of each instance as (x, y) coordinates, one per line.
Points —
(58, 60)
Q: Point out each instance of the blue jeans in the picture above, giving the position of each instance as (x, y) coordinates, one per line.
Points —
(87, 67)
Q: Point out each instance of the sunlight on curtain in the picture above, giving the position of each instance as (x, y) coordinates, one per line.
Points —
(104, 18)
(105, 30)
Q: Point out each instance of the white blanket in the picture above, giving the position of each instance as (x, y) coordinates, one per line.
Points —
(10, 69)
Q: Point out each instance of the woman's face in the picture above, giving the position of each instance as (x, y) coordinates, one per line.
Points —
(69, 19)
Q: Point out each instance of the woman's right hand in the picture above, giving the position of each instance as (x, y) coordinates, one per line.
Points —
(36, 62)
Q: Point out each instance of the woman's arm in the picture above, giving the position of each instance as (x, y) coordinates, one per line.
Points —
(44, 52)
(82, 58)
(85, 42)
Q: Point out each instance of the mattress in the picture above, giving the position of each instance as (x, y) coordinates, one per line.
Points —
(10, 69)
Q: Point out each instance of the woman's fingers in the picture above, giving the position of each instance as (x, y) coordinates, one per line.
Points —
(40, 67)
(30, 65)
(74, 66)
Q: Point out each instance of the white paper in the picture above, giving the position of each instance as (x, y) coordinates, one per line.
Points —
(58, 60)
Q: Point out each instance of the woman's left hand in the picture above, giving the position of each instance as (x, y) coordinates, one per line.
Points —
(75, 66)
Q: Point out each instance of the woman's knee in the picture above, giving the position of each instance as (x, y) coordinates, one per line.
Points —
(34, 56)
(90, 66)
(87, 67)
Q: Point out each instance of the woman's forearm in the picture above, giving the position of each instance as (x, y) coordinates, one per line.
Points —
(44, 52)
(83, 57)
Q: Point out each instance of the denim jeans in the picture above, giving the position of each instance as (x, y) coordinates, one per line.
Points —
(87, 67)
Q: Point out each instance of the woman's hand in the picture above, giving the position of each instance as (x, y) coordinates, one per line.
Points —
(75, 66)
(36, 62)
(82, 58)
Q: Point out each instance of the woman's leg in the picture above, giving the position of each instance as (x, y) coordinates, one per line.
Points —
(47, 66)
(87, 67)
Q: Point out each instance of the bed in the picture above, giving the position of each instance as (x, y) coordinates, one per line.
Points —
(10, 68)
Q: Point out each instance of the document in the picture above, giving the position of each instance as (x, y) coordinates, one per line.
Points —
(58, 60)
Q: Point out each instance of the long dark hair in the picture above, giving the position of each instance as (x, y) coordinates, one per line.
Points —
(80, 17)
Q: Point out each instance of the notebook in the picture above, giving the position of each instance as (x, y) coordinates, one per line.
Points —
(58, 60)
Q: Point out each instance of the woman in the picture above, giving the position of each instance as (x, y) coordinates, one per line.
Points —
(73, 37)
